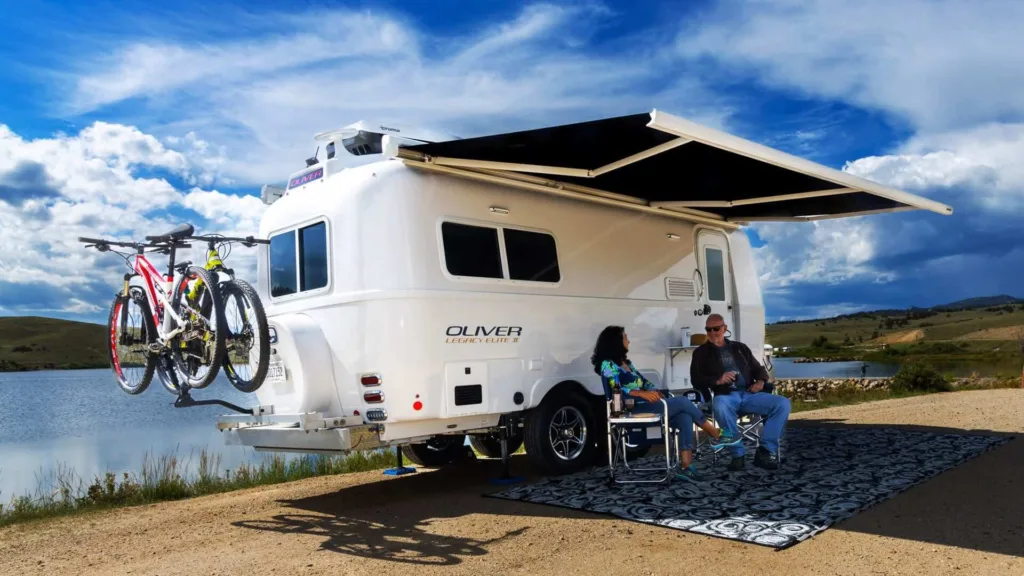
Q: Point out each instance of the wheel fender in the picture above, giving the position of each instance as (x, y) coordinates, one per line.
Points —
(544, 386)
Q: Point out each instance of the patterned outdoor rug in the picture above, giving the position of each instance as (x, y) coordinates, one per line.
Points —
(827, 475)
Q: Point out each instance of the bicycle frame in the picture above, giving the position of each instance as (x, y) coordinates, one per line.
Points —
(158, 292)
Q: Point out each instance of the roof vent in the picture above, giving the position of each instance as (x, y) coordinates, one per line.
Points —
(680, 289)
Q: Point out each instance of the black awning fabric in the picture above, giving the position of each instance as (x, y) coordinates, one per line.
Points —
(692, 172)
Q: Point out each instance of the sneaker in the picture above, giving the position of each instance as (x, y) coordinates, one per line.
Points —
(688, 474)
(726, 439)
(736, 464)
(765, 459)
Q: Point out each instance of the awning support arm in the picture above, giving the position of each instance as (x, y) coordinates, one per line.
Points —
(739, 219)
(749, 201)
(560, 190)
(556, 170)
(638, 156)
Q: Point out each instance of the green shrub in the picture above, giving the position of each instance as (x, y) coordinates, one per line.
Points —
(919, 377)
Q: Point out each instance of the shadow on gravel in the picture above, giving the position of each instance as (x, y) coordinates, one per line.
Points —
(370, 539)
(976, 505)
(390, 520)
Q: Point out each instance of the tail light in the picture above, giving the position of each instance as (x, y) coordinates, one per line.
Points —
(371, 379)
(375, 397)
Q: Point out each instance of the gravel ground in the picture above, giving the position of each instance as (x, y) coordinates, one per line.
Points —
(969, 520)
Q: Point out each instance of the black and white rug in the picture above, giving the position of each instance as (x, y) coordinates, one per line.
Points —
(827, 475)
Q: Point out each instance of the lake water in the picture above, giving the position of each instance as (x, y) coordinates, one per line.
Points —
(786, 368)
(81, 419)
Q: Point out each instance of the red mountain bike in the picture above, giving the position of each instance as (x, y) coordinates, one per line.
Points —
(171, 323)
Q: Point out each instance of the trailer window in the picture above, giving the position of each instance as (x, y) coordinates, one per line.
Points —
(313, 256)
(298, 260)
(471, 250)
(716, 274)
(283, 277)
(531, 256)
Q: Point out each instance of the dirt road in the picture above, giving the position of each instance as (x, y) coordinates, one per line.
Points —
(969, 520)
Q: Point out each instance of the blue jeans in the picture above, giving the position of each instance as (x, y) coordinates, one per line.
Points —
(774, 408)
(682, 415)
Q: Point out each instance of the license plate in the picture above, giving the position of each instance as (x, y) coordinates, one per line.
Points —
(275, 372)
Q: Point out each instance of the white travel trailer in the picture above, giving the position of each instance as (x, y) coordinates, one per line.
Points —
(422, 288)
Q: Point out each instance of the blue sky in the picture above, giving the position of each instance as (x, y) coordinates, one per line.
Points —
(118, 118)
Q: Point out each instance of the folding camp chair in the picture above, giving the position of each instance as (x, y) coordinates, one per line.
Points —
(750, 427)
(633, 429)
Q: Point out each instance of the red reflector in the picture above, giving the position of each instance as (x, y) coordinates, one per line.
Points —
(355, 412)
(373, 397)
(371, 380)
(417, 405)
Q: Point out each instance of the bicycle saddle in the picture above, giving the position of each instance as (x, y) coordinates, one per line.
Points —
(182, 266)
(182, 231)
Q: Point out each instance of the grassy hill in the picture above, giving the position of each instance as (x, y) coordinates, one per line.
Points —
(33, 343)
(1001, 322)
(991, 333)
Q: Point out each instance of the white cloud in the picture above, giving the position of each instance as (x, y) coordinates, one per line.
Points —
(53, 190)
(942, 64)
(982, 165)
(827, 311)
(824, 252)
(261, 99)
(947, 68)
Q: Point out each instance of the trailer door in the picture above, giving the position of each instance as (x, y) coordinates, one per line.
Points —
(714, 262)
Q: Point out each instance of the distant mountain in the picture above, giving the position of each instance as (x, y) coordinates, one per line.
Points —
(33, 343)
(980, 302)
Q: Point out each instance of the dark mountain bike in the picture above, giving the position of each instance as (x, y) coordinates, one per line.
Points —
(246, 333)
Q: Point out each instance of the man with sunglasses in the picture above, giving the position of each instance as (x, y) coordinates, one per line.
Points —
(740, 384)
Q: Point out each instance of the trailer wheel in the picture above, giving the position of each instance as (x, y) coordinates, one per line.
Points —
(437, 451)
(489, 445)
(559, 434)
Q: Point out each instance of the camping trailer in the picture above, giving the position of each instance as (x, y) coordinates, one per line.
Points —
(421, 288)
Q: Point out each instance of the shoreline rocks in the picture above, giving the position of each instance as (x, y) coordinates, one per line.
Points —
(811, 388)
(823, 359)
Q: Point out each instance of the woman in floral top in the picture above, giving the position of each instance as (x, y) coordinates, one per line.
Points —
(611, 362)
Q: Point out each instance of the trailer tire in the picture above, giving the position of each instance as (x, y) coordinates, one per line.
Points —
(559, 434)
(437, 451)
(489, 445)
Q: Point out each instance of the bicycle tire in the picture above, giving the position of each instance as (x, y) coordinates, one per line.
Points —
(115, 333)
(240, 289)
(208, 298)
(163, 375)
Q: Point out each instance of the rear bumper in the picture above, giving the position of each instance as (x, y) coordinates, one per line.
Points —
(310, 432)
(284, 438)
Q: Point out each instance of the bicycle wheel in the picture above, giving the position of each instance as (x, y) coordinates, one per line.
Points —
(246, 335)
(130, 331)
(198, 350)
(164, 369)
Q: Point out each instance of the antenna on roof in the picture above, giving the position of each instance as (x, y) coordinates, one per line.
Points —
(313, 160)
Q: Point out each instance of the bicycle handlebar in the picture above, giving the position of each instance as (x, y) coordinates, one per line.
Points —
(248, 240)
(104, 245)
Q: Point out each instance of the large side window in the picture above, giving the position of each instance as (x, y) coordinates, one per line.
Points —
(716, 274)
(283, 276)
(471, 250)
(313, 256)
(298, 260)
(531, 256)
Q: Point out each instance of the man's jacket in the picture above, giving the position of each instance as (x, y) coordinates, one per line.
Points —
(706, 368)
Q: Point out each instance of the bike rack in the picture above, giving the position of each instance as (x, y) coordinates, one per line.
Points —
(185, 399)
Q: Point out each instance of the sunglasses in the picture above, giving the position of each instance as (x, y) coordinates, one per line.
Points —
(714, 328)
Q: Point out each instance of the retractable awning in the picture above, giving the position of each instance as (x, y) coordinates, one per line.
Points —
(659, 162)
